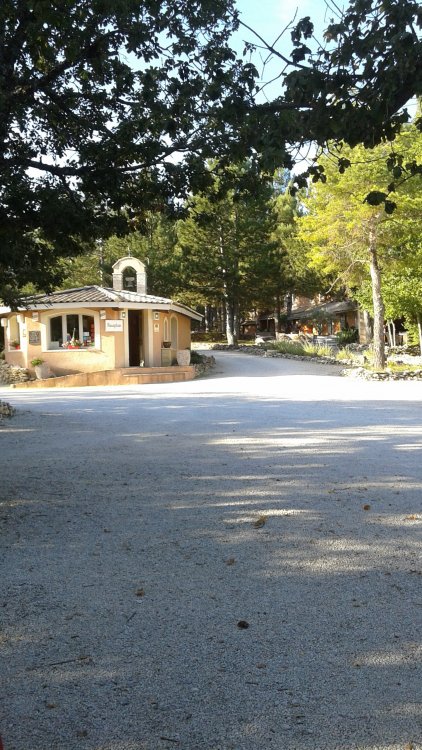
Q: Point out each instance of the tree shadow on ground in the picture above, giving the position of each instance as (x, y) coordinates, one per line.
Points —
(131, 552)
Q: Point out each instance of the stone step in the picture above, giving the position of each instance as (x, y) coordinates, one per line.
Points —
(121, 376)
(128, 371)
(158, 377)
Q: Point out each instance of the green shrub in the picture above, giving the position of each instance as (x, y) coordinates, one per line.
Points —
(413, 336)
(398, 367)
(210, 337)
(350, 336)
(37, 362)
(301, 348)
(317, 350)
(195, 358)
(287, 347)
(344, 354)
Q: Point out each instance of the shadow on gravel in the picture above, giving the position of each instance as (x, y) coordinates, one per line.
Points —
(138, 532)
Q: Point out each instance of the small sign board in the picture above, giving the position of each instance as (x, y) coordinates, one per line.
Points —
(114, 326)
(34, 337)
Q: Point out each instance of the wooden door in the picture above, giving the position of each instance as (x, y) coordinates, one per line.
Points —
(135, 338)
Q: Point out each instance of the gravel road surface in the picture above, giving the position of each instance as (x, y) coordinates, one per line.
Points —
(141, 525)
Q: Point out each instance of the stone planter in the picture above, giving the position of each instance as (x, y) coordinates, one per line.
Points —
(42, 371)
(183, 357)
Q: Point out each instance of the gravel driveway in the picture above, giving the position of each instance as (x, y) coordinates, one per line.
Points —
(141, 525)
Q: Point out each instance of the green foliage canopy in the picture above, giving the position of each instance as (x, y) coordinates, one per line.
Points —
(351, 87)
(111, 109)
(350, 239)
(227, 245)
(99, 102)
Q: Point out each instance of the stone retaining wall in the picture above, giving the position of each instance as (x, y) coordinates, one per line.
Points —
(12, 374)
(204, 367)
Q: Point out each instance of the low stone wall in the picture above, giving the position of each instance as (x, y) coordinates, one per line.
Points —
(204, 367)
(12, 374)
(363, 374)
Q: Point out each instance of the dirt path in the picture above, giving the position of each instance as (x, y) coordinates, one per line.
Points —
(130, 554)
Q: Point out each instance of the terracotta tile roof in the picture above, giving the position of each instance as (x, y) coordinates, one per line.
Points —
(125, 296)
(94, 294)
(327, 308)
(98, 295)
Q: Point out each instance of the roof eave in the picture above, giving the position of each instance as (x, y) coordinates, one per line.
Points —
(119, 305)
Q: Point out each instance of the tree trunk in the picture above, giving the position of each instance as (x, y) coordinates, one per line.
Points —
(222, 318)
(207, 318)
(230, 320)
(365, 334)
(419, 322)
(277, 315)
(236, 322)
(390, 333)
(101, 261)
(378, 343)
(289, 305)
(213, 318)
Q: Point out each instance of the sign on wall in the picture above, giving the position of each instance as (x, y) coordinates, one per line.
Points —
(113, 326)
(34, 337)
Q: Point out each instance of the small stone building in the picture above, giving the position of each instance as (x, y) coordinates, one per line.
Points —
(94, 328)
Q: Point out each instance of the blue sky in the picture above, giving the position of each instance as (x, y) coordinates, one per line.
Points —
(269, 18)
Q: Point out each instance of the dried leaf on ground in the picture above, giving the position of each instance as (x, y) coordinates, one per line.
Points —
(230, 561)
(260, 521)
(140, 592)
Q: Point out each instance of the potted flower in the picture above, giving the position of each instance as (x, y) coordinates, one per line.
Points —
(74, 344)
(15, 344)
(42, 370)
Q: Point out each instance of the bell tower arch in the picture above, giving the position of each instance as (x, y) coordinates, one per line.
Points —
(129, 274)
